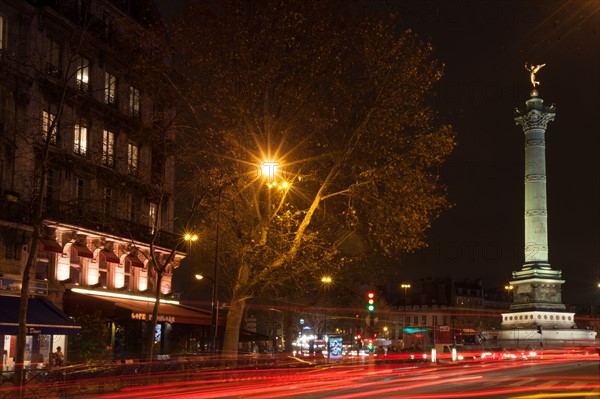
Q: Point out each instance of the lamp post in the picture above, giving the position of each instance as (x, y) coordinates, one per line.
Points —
(326, 280)
(509, 288)
(405, 286)
(213, 309)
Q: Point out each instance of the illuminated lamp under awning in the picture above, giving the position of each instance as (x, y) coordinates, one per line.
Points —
(49, 245)
(109, 256)
(82, 251)
(135, 261)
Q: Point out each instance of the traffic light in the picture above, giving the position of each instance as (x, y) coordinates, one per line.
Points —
(371, 305)
(370, 345)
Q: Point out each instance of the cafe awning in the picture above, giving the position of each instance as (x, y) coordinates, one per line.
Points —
(140, 309)
(43, 317)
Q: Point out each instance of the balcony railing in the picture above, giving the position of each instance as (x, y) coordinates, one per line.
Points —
(15, 210)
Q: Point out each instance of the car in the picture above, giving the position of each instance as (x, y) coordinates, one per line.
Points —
(508, 354)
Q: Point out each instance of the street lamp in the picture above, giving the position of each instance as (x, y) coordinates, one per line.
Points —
(269, 170)
(509, 288)
(190, 237)
(405, 286)
(326, 280)
(213, 309)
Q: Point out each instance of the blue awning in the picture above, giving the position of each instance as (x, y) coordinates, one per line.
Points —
(43, 317)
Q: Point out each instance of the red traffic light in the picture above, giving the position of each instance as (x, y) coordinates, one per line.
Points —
(359, 337)
(370, 295)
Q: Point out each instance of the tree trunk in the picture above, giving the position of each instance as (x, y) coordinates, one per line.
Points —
(236, 312)
(23, 304)
(153, 321)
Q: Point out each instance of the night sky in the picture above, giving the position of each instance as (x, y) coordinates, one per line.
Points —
(484, 45)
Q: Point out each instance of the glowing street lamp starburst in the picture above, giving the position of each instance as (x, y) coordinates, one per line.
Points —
(269, 170)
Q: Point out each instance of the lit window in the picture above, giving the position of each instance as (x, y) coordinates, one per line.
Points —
(127, 279)
(80, 138)
(53, 58)
(152, 215)
(134, 102)
(83, 74)
(2, 32)
(108, 148)
(49, 122)
(133, 152)
(110, 89)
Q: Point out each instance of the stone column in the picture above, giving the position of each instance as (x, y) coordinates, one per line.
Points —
(534, 120)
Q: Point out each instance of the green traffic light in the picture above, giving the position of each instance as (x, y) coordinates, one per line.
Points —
(371, 308)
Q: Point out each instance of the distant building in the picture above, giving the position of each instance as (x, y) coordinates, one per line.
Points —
(434, 304)
(101, 199)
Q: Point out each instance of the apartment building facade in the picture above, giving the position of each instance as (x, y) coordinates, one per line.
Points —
(69, 93)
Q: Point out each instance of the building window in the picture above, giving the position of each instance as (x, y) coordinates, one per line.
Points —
(41, 269)
(434, 320)
(80, 138)
(107, 203)
(51, 187)
(407, 318)
(79, 189)
(127, 276)
(134, 102)
(3, 31)
(133, 160)
(83, 74)
(49, 122)
(110, 89)
(108, 148)
(152, 215)
(53, 58)
(416, 320)
(134, 208)
(424, 320)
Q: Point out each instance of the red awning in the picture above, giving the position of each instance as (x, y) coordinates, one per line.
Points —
(82, 251)
(135, 261)
(49, 245)
(109, 256)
